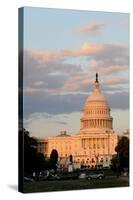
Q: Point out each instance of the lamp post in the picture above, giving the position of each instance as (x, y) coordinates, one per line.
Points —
(97, 160)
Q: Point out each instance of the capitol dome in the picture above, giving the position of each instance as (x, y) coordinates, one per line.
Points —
(96, 112)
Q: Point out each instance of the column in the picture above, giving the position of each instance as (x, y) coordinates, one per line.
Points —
(107, 125)
(99, 123)
(88, 123)
(111, 124)
(85, 143)
(102, 123)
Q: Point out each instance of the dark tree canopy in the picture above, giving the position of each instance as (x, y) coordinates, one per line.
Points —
(53, 159)
(71, 158)
(121, 159)
(33, 160)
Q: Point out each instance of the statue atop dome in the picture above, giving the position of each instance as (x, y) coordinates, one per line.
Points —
(96, 84)
(96, 78)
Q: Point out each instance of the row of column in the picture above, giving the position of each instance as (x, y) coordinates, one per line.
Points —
(94, 143)
(96, 123)
(94, 111)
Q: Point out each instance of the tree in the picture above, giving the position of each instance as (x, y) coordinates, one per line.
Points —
(121, 159)
(71, 158)
(33, 160)
(53, 159)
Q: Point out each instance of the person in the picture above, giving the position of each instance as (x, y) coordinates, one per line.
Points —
(34, 174)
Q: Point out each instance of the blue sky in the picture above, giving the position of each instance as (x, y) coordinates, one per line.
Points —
(45, 27)
(63, 49)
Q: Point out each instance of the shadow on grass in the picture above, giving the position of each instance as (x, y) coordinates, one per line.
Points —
(63, 185)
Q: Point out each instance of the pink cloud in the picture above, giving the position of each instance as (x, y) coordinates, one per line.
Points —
(77, 82)
(115, 80)
(87, 49)
(92, 28)
(113, 68)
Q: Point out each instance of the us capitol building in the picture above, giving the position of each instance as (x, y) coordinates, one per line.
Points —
(96, 141)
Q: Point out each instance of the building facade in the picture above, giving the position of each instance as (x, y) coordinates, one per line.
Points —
(96, 141)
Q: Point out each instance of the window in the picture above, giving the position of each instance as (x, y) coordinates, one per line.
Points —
(92, 160)
(83, 161)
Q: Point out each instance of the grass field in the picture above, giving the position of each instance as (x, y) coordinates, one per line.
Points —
(62, 185)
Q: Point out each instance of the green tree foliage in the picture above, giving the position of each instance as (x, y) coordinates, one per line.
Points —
(121, 159)
(33, 160)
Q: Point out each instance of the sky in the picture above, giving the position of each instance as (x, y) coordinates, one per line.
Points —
(63, 49)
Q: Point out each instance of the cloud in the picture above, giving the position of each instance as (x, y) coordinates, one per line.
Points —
(60, 122)
(76, 83)
(67, 103)
(53, 72)
(49, 76)
(87, 49)
(39, 125)
(115, 80)
(58, 76)
(113, 69)
(54, 83)
(92, 28)
(39, 83)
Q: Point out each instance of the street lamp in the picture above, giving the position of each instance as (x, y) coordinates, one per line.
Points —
(97, 160)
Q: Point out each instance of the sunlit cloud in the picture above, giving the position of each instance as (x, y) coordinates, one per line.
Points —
(86, 49)
(115, 80)
(92, 28)
(112, 69)
(39, 83)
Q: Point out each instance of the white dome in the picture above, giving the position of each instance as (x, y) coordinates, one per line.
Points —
(96, 112)
(96, 96)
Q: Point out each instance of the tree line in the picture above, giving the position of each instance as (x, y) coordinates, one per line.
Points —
(34, 161)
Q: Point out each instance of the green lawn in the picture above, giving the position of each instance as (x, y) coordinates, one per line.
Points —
(62, 185)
